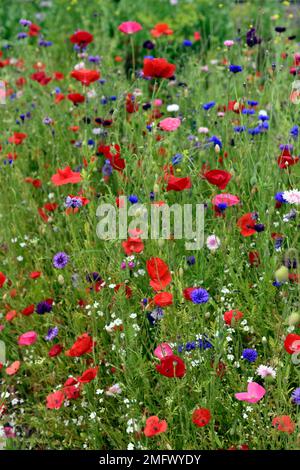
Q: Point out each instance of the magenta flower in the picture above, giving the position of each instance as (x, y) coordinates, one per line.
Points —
(26, 339)
(228, 199)
(255, 392)
(163, 350)
(129, 27)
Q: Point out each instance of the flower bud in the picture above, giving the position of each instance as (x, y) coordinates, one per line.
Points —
(282, 274)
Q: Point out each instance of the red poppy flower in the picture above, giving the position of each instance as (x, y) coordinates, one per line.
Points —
(72, 392)
(235, 106)
(113, 154)
(155, 426)
(178, 184)
(246, 223)
(55, 400)
(253, 257)
(76, 98)
(292, 343)
(35, 182)
(286, 159)
(35, 274)
(171, 366)
(131, 104)
(65, 176)
(161, 29)
(133, 245)
(86, 77)
(158, 68)
(28, 310)
(83, 345)
(284, 424)
(126, 288)
(2, 279)
(201, 417)
(187, 292)
(58, 76)
(159, 273)
(232, 316)
(11, 315)
(55, 350)
(82, 38)
(88, 375)
(41, 78)
(34, 29)
(17, 138)
(163, 299)
(219, 178)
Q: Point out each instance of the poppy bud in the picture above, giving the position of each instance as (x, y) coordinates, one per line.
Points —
(294, 318)
(180, 272)
(282, 274)
(161, 242)
(217, 148)
(156, 188)
(61, 280)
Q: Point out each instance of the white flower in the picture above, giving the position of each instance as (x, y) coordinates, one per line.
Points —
(172, 108)
(203, 130)
(114, 390)
(130, 446)
(292, 196)
(213, 242)
(93, 415)
(265, 371)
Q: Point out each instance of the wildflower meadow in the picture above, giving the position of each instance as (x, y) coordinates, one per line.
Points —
(149, 242)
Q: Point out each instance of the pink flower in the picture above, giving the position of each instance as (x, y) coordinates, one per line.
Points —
(129, 27)
(228, 43)
(26, 339)
(163, 350)
(228, 199)
(170, 124)
(254, 393)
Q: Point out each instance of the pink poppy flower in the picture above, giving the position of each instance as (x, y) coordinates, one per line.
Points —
(26, 339)
(13, 368)
(255, 392)
(228, 199)
(163, 350)
(170, 124)
(129, 27)
(55, 400)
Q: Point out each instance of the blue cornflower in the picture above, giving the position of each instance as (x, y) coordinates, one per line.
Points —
(286, 147)
(222, 206)
(215, 141)
(107, 169)
(239, 129)
(248, 111)
(204, 344)
(73, 202)
(133, 199)
(294, 132)
(22, 36)
(279, 197)
(199, 296)
(187, 42)
(296, 396)
(252, 103)
(155, 315)
(177, 159)
(103, 101)
(250, 355)
(209, 105)
(60, 260)
(235, 68)
(95, 59)
(52, 333)
(191, 260)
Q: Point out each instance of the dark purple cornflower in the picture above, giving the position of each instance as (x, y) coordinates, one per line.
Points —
(94, 59)
(251, 38)
(22, 36)
(52, 333)
(107, 169)
(93, 277)
(60, 260)
(43, 307)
